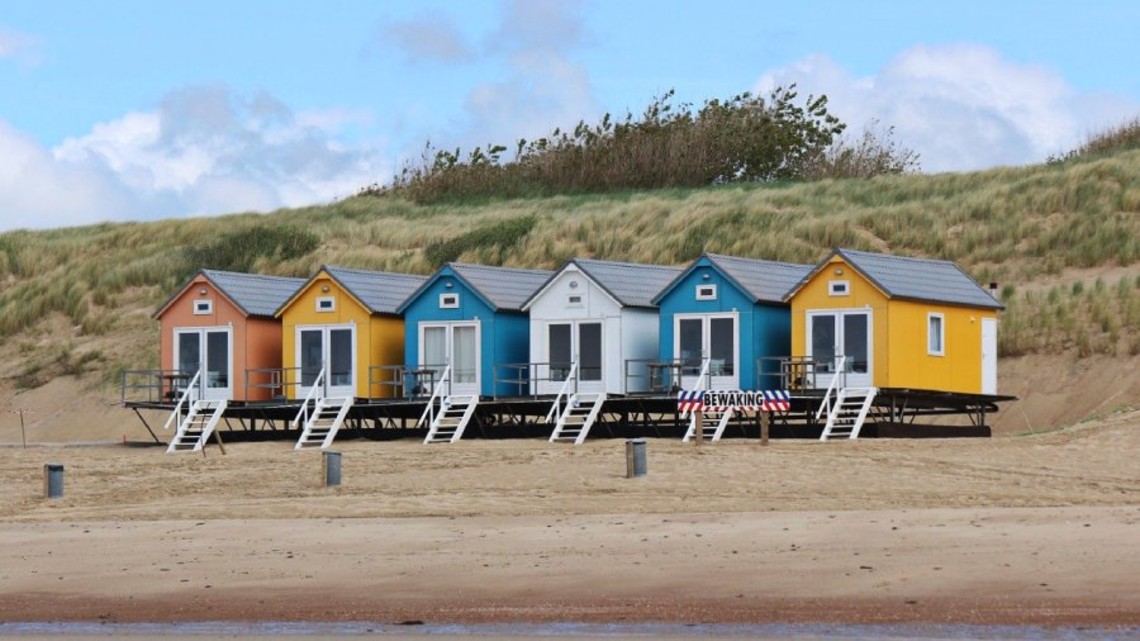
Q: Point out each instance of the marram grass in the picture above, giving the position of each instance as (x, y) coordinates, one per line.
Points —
(1010, 225)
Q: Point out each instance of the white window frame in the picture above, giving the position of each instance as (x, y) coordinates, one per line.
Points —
(710, 295)
(838, 288)
(331, 300)
(203, 307)
(574, 300)
(445, 303)
(941, 351)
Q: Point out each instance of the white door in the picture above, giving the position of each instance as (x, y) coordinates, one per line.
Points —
(712, 336)
(833, 334)
(455, 344)
(210, 351)
(333, 349)
(989, 356)
(567, 343)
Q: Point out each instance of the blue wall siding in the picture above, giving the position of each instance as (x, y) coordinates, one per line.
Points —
(510, 344)
(765, 330)
(504, 336)
(772, 337)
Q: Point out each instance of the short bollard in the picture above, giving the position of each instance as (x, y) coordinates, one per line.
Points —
(635, 458)
(53, 480)
(332, 468)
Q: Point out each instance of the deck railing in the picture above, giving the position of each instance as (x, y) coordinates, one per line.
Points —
(569, 386)
(152, 386)
(186, 397)
(277, 383)
(838, 382)
(316, 393)
(440, 390)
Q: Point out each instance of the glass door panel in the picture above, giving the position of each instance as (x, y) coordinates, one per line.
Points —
(464, 351)
(855, 343)
(561, 351)
(217, 360)
(340, 358)
(823, 342)
(722, 347)
(189, 353)
(590, 351)
(311, 355)
(691, 345)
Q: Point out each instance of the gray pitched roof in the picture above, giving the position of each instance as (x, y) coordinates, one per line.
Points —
(382, 292)
(255, 294)
(504, 287)
(764, 280)
(925, 279)
(631, 284)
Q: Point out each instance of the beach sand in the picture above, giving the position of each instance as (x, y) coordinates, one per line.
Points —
(1039, 529)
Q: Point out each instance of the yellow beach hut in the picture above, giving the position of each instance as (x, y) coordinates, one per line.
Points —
(895, 322)
(344, 322)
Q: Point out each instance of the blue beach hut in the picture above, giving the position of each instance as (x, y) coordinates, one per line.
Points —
(731, 312)
(471, 317)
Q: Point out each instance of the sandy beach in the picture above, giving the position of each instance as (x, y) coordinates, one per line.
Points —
(1037, 529)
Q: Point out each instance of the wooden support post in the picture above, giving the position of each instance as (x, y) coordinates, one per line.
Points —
(698, 426)
(221, 445)
(765, 421)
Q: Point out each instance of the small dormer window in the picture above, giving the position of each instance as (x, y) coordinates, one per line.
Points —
(449, 301)
(838, 288)
(706, 292)
(203, 307)
(574, 299)
(326, 304)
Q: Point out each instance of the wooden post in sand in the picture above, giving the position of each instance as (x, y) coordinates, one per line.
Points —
(698, 426)
(765, 420)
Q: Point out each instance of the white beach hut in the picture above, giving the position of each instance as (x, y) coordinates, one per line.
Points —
(594, 320)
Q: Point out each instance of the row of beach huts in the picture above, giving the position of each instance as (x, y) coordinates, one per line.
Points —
(842, 330)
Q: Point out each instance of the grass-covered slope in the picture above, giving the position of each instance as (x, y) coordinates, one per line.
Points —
(76, 300)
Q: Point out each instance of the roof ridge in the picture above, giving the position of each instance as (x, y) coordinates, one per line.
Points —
(627, 264)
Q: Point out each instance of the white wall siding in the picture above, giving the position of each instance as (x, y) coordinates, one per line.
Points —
(640, 332)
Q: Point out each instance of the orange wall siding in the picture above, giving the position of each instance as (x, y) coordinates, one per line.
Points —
(256, 341)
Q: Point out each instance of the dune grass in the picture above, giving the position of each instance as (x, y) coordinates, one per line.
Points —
(1010, 225)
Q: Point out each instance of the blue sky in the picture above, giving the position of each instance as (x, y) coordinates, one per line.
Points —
(128, 110)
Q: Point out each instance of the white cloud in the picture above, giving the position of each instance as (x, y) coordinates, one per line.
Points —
(19, 47)
(962, 107)
(544, 86)
(202, 151)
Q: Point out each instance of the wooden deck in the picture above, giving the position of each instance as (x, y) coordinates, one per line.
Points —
(895, 413)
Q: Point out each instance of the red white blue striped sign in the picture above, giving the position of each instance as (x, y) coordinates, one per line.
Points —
(720, 400)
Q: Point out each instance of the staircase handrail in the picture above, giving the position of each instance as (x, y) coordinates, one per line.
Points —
(700, 381)
(556, 408)
(437, 392)
(316, 393)
(841, 364)
(182, 399)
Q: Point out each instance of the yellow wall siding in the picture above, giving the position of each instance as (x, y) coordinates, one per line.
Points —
(959, 369)
(863, 295)
(899, 333)
(303, 311)
(387, 338)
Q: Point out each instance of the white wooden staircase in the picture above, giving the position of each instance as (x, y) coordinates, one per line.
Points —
(845, 417)
(712, 424)
(195, 429)
(447, 422)
(451, 420)
(322, 425)
(577, 417)
(320, 417)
